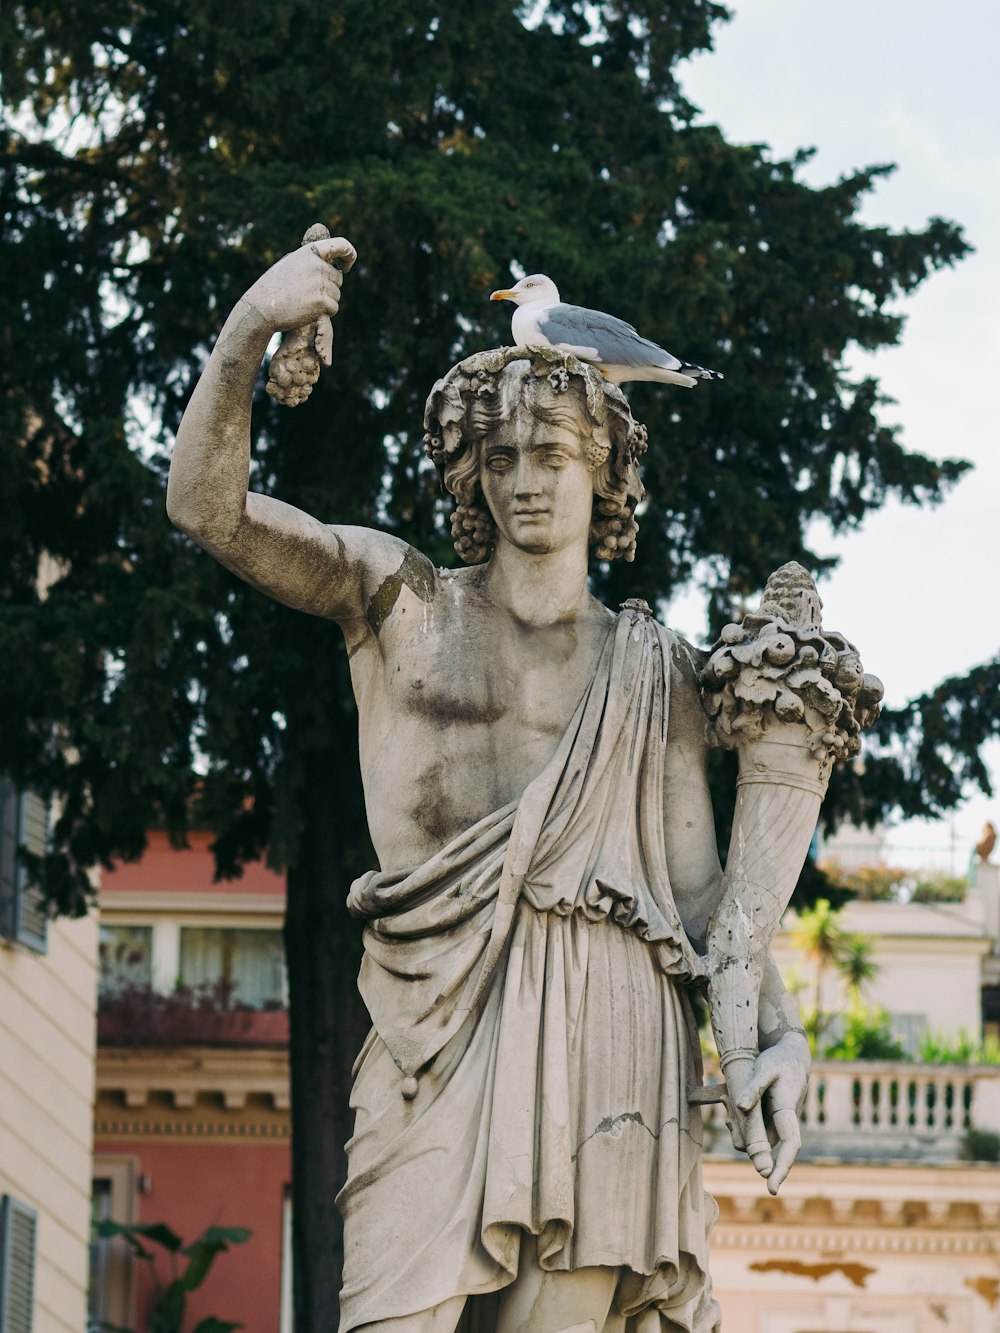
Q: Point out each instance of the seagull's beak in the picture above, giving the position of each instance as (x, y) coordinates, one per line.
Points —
(505, 294)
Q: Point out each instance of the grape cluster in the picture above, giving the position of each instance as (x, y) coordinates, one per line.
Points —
(294, 368)
(614, 530)
(473, 532)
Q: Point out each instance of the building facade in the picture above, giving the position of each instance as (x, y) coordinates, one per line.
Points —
(883, 1226)
(48, 989)
(191, 1120)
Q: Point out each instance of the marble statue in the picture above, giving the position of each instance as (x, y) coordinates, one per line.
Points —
(527, 1148)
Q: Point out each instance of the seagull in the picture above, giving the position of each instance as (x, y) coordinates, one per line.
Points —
(609, 344)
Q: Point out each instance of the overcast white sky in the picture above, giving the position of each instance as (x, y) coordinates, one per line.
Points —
(910, 82)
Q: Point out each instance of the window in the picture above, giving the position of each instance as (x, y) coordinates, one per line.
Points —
(287, 1315)
(18, 1227)
(113, 1195)
(246, 964)
(100, 1246)
(126, 958)
(23, 823)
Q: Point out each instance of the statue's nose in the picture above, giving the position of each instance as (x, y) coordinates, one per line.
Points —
(528, 479)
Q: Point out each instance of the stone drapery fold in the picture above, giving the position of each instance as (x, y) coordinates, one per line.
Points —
(586, 836)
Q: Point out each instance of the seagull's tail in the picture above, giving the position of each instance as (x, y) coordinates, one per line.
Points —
(699, 372)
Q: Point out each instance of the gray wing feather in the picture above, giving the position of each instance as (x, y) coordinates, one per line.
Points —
(617, 343)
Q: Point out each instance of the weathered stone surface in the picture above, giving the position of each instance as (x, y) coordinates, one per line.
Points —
(527, 1147)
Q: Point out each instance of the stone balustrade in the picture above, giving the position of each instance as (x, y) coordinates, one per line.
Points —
(886, 1110)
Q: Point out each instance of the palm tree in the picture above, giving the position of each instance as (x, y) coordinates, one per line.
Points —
(856, 965)
(821, 937)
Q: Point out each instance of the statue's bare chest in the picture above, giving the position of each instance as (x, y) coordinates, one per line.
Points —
(461, 662)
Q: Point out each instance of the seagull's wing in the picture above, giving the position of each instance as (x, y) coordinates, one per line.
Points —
(593, 335)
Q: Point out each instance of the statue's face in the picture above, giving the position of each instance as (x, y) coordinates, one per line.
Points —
(536, 481)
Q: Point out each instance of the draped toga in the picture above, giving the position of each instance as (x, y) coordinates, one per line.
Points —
(525, 1079)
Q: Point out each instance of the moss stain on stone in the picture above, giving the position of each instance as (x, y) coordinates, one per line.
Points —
(416, 573)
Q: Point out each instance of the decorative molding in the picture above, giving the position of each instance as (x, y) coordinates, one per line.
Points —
(200, 1124)
(801, 1239)
(159, 902)
(852, 1206)
(194, 1091)
(856, 1214)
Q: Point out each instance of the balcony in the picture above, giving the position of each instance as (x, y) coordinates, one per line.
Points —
(138, 1016)
(879, 1111)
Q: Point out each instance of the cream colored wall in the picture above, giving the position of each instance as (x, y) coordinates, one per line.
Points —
(930, 959)
(47, 1049)
(848, 1248)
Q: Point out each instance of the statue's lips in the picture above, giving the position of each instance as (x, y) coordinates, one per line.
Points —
(530, 513)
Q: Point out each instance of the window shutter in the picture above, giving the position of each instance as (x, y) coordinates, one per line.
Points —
(23, 823)
(18, 1228)
(9, 820)
(33, 834)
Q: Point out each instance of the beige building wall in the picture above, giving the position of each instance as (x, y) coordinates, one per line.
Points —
(47, 1051)
(930, 959)
(854, 1248)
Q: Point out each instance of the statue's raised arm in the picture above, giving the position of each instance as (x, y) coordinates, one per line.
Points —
(326, 570)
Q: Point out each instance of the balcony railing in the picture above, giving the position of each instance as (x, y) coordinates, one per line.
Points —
(203, 1016)
(887, 1109)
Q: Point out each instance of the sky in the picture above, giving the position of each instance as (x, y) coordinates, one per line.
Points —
(914, 83)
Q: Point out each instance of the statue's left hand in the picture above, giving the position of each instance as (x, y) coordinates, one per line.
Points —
(779, 1077)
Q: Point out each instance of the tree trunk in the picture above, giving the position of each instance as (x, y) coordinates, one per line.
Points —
(328, 1023)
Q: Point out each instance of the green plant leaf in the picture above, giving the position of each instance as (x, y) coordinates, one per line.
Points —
(223, 1235)
(203, 1251)
(168, 1314)
(160, 1233)
(131, 1232)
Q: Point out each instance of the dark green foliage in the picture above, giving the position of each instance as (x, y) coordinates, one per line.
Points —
(170, 1301)
(981, 1145)
(153, 159)
(926, 753)
(446, 147)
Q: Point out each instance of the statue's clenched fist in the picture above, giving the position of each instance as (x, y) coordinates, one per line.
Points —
(304, 286)
(299, 295)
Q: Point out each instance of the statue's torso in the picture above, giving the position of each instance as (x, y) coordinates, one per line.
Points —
(461, 705)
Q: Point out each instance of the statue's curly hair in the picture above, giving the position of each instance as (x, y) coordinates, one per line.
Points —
(484, 390)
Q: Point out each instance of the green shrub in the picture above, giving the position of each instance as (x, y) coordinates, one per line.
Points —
(934, 886)
(963, 1048)
(981, 1145)
(867, 1035)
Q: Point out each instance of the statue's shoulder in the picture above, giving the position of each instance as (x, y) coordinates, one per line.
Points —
(684, 662)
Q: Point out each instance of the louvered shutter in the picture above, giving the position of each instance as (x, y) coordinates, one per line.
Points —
(18, 1228)
(10, 818)
(23, 823)
(32, 914)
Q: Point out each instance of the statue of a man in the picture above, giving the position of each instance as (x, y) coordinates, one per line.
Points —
(525, 1158)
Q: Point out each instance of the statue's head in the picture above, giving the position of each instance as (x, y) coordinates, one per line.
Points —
(510, 388)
